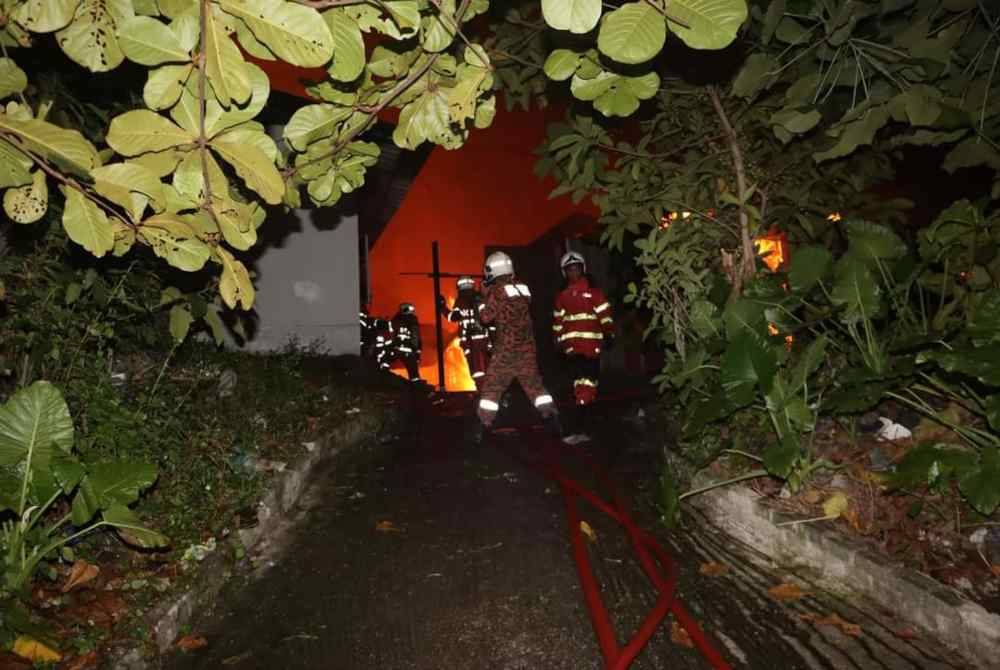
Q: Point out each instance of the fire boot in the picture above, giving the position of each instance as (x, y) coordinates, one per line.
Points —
(553, 427)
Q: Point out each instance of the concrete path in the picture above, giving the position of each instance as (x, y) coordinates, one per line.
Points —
(425, 554)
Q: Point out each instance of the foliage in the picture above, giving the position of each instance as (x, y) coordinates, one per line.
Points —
(188, 175)
(38, 467)
(788, 129)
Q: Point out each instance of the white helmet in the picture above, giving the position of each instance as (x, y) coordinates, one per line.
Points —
(497, 264)
(407, 308)
(464, 282)
(571, 258)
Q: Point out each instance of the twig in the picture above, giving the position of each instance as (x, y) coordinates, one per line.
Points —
(667, 15)
(326, 4)
(202, 141)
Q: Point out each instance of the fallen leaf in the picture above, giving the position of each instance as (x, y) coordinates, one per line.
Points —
(81, 573)
(679, 636)
(713, 569)
(848, 628)
(996, 570)
(387, 527)
(812, 496)
(835, 505)
(906, 634)
(191, 642)
(785, 592)
(33, 650)
(853, 519)
(588, 531)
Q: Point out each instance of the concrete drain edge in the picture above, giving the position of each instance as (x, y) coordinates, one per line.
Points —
(275, 509)
(849, 566)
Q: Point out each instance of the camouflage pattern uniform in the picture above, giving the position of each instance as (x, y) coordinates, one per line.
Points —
(506, 304)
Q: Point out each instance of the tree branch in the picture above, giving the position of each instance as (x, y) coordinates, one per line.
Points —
(202, 141)
(411, 79)
(747, 268)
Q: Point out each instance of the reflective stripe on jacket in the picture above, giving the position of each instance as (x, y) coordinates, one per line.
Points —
(581, 319)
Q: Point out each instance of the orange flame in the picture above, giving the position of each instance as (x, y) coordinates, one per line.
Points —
(456, 369)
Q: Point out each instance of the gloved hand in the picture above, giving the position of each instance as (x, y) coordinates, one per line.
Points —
(442, 303)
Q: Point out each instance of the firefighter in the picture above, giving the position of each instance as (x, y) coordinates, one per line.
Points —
(406, 340)
(367, 332)
(506, 303)
(473, 336)
(582, 325)
(382, 345)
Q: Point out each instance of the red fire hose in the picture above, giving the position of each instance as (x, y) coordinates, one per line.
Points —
(661, 572)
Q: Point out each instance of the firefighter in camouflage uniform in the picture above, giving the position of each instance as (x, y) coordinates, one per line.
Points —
(582, 326)
(506, 303)
(473, 336)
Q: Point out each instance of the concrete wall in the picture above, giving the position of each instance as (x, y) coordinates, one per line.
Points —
(308, 280)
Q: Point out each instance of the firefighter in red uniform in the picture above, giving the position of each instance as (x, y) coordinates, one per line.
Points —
(507, 305)
(582, 325)
(473, 336)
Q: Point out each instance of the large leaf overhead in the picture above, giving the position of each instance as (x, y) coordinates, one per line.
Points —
(294, 33)
(348, 46)
(707, 24)
(44, 16)
(224, 65)
(633, 33)
(254, 167)
(86, 224)
(139, 131)
(148, 41)
(67, 148)
(91, 38)
(577, 16)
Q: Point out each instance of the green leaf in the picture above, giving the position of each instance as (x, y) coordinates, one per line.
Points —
(189, 178)
(855, 133)
(90, 39)
(775, 12)
(811, 359)
(45, 16)
(754, 75)
(235, 286)
(643, 87)
(473, 81)
(256, 169)
(425, 119)
(561, 64)
(708, 24)
(314, 122)
(795, 121)
(174, 241)
(780, 458)
(148, 41)
(809, 265)
(67, 148)
(180, 322)
(86, 224)
(984, 322)
(12, 78)
(35, 426)
(618, 101)
(633, 33)
(348, 46)
(68, 472)
(141, 130)
(164, 85)
(27, 204)
(854, 286)
(130, 185)
(131, 529)
(576, 16)
(235, 223)
(871, 240)
(592, 89)
(215, 325)
(983, 363)
(14, 166)
(971, 152)
(120, 482)
(981, 487)
(224, 65)
(929, 464)
(85, 504)
(260, 89)
(747, 360)
(294, 33)
(437, 30)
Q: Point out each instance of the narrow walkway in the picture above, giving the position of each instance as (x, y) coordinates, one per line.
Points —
(424, 554)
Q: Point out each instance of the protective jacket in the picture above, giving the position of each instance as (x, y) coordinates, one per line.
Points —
(406, 331)
(507, 305)
(473, 336)
(582, 320)
(383, 343)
